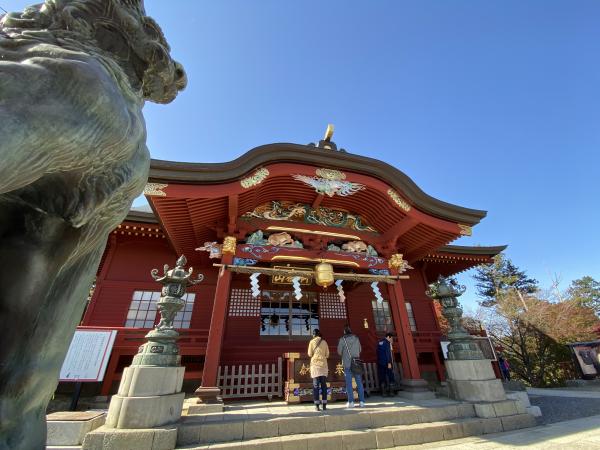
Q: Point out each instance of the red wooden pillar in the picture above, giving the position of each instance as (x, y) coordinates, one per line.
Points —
(414, 387)
(405, 339)
(208, 392)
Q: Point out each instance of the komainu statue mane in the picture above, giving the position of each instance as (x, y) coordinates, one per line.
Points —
(74, 75)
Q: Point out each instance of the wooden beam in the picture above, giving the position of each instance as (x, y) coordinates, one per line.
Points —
(317, 201)
(233, 213)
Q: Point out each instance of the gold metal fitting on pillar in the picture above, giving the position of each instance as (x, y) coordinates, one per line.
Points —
(366, 323)
(229, 245)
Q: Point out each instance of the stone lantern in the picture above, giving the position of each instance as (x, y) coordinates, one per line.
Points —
(462, 345)
(149, 395)
(470, 376)
(161, 348)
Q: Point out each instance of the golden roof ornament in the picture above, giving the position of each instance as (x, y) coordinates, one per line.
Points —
(328, 132)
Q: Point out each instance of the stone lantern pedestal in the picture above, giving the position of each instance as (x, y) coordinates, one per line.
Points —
(471, 377)
(149, 401)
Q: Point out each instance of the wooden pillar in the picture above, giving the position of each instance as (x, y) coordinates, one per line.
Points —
(208, 392)
(405, 339)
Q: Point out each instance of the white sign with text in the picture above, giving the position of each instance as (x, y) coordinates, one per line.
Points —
(88, 355)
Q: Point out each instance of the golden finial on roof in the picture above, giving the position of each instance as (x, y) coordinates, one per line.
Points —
(328, 132)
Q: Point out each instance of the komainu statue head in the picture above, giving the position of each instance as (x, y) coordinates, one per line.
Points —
(74, 75)
(117, 29)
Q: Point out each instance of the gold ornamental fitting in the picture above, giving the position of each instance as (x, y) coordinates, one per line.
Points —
(328, 132)
(396, 261)
(229, 245)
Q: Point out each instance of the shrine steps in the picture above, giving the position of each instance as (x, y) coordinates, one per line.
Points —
(339, 428)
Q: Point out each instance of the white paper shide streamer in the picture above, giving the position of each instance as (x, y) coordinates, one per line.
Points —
(254, 286)
(377, 292)
(340, 290)
(297, 288)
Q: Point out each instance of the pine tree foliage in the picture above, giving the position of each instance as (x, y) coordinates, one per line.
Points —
(501, 277)
(586, 292)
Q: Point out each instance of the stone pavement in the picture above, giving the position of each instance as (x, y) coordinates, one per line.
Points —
(573, 434)
(573, 392)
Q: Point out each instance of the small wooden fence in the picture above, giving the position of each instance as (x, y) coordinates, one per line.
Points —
(371, 377)
(251, 380)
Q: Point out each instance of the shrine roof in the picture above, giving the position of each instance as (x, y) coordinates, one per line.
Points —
(219, 173)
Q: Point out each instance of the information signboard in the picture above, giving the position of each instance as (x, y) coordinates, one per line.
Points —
(88, 355)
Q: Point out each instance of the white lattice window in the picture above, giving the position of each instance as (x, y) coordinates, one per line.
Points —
(242, 304)
(331, 306)
(184, 316)
(411, 317)
(285, 316)
(382, 316)
(142, 310)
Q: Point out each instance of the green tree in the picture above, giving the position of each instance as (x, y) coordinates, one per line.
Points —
(586, 292)
(501, 277)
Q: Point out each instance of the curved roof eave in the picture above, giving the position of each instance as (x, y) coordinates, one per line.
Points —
(212, 173)
(472, 250)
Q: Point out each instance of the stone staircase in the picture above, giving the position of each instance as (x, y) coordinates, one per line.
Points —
(379, 425)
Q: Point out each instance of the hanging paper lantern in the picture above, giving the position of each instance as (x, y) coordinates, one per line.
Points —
(340, 289)
(377, 292)
(324, 274)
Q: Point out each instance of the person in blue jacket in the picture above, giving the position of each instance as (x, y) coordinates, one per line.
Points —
(385, 364)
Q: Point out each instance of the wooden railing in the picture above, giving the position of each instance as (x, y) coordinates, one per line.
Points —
(192, 341)
(251, 380)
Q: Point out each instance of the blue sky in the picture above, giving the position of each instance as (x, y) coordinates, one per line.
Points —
(493, 105)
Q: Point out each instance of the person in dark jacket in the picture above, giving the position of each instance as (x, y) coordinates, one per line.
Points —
(385, 364)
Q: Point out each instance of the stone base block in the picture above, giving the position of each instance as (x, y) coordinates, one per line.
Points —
(477, 391)
(104, 438)
(204, 408)
(415, 390)
(520, 396)
(70, 427)
(535, 411)
(419, 395)
(209, 394)
(144, 412)
(470, 370)
(141, 381)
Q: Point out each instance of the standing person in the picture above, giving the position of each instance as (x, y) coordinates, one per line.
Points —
(318, 350)
(385, 364)
(349, 349)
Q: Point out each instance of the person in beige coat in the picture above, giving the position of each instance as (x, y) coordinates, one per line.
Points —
(318, 350)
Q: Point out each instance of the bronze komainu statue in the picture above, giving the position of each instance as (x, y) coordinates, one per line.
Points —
(74, 75)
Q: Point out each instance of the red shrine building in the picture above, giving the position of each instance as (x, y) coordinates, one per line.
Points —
(275, 211)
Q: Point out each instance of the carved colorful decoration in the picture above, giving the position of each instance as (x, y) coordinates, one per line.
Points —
(155, 189)
(244, 262)
(330, 174)
(355, 247)
(214, 250)
(330, 182)
(229, 245)
(369, 259)
(397, 262)
(282, 239)
(465, 230)
(299, 212)
(255, 179)
(398, 200)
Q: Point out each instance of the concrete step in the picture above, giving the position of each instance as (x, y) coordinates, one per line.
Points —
(216, 428)
(382, 437)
